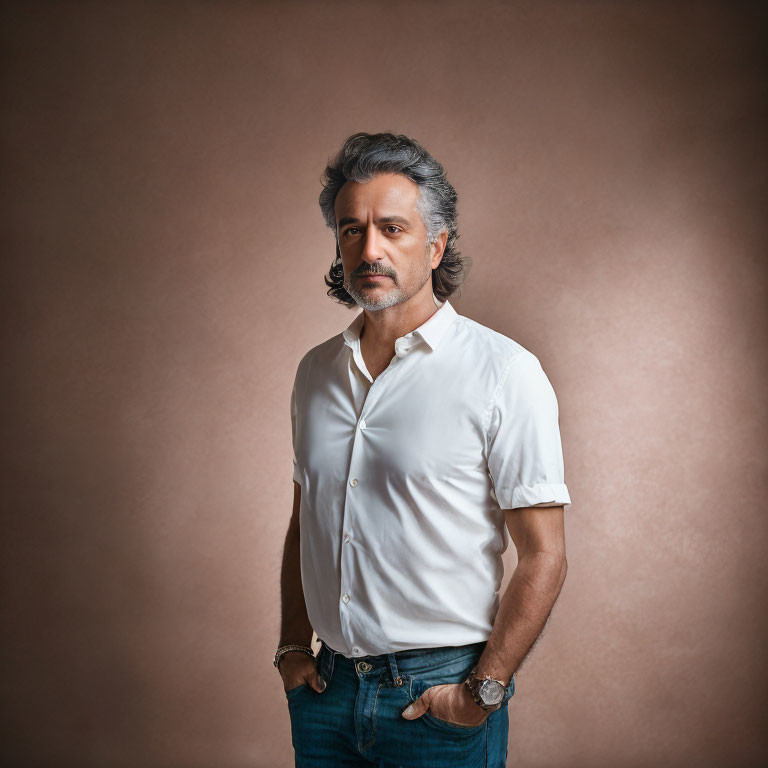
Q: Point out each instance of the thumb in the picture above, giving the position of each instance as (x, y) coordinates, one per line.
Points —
(418, 708)
(318, 683)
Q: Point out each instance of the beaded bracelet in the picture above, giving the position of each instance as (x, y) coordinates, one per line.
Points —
(287, 649)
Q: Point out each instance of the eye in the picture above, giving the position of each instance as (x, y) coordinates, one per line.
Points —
(394, 227)
(350, 230)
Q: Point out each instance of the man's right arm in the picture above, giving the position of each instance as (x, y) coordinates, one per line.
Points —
(295, 629)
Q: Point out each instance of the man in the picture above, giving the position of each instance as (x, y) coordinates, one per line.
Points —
(417, 433)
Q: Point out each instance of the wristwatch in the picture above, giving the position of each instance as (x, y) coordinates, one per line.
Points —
(487, 692)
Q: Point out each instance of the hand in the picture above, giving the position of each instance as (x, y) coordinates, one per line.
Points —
(452, 702)
(297, 668)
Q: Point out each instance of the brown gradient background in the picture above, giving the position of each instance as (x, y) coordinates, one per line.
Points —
(163, 254)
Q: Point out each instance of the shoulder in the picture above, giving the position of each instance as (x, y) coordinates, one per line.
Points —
(479, 340)
(512, 372)
(319, 355)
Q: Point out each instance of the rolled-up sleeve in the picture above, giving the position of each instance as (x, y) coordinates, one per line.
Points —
(525, 455)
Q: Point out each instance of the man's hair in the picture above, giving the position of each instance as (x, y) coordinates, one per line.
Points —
(364, 155)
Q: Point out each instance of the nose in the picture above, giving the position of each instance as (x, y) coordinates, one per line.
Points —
(371, 245)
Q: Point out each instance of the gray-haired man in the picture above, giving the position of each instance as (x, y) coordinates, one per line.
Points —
(417, 434)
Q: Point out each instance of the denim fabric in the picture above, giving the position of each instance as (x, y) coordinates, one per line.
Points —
(357, 720)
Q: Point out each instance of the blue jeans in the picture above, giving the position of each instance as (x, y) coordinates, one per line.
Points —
(357, 720)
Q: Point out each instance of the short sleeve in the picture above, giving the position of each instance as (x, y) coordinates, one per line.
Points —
(525, 455)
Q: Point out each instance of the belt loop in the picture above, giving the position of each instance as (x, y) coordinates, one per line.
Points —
(393, 669)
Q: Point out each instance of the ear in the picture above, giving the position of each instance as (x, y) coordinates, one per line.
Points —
(437, 249)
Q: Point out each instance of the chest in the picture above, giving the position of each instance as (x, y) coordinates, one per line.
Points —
(419, 418)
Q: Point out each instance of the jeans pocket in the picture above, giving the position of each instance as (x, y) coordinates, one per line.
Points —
(453, 671)
(321, 665)
(301, 686)
(295, 689)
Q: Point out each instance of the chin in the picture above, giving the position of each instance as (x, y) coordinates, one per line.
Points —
(372, 303)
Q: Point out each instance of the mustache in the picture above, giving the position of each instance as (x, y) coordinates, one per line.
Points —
(358, 273)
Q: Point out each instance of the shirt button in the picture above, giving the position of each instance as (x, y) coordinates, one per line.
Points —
(346, 538)
(345, 598)
(362, 423)
(356, 651)
(353, 482)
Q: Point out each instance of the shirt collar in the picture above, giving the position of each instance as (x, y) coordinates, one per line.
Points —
(431, 330)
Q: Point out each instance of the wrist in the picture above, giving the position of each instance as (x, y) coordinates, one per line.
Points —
(283, 650)
(467, 694)
(487, 692)
(502, 678)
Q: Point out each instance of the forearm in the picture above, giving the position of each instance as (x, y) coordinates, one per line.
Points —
(523, 612)
(295, 627)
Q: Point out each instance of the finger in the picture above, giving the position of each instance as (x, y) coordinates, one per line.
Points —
(418, 708)
(318, 683)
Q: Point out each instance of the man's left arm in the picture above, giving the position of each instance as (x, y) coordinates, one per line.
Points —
(539, 536)
(538, 533)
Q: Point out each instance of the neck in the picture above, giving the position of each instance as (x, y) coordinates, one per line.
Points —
(383, 328)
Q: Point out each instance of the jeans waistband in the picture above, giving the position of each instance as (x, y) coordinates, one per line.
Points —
(412, 659)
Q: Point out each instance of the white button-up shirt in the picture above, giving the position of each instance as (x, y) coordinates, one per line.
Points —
(404, 480)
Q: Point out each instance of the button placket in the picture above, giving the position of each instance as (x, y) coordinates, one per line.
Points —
(346, 552)
(348, 520)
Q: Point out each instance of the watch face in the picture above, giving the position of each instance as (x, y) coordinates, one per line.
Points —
(491, 692)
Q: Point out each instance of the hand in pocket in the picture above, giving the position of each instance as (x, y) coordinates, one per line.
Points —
(451, 702)
(298, 669)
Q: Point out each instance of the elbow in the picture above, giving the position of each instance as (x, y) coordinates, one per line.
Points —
(563, 569)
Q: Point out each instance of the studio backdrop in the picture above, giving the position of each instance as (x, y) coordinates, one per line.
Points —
(163, 261)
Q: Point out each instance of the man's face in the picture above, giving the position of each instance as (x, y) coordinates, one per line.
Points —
(380, 232)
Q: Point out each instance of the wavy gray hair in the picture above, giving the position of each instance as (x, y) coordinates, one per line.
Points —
(364, 155)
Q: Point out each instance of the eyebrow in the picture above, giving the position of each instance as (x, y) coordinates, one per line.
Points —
(383, 220)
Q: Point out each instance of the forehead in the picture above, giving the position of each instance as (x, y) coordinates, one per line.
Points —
(384, 194)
